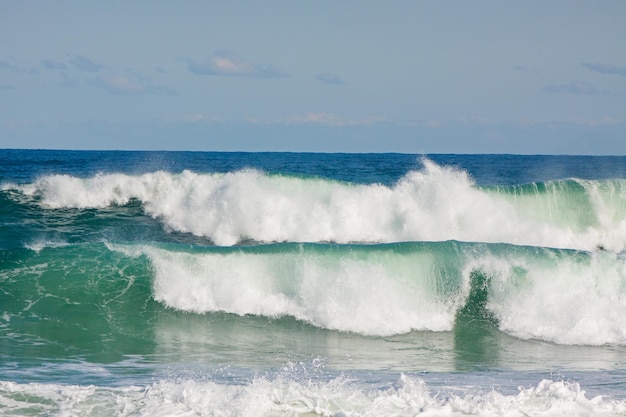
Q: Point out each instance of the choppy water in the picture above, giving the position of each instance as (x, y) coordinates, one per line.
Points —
(167, 283)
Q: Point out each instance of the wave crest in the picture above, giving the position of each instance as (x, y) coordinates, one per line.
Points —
(433, 204)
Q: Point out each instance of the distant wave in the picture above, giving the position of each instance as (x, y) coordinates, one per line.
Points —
(433, 204)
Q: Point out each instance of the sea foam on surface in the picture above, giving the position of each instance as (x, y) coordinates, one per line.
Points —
(408, 396)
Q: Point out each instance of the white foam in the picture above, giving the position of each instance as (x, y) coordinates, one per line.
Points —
(39, 245)
(280, 397)
(433, 204)
(370, 296)
(567, 298)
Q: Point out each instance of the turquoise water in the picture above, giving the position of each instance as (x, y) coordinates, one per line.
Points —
(165, 283)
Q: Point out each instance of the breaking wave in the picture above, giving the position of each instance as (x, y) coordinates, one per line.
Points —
(433, 204)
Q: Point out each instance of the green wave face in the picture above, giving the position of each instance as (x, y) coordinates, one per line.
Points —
(94, 300)
(575, 204)
(76, 299)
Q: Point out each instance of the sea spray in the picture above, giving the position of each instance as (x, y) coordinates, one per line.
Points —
(408, 396)
(433, 204)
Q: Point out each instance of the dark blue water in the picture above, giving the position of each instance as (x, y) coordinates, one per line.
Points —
(26, 165)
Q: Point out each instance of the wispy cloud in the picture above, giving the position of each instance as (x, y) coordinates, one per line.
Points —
(604, 121)
(5, 65)
(576, 87)
(8, 66)
(129, 84)
(329, 119)
(605, 68)
(53, 64)
(199, 117)
(228, 63)
(82, 63)
(328, 78)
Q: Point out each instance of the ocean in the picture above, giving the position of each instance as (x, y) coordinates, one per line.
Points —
(303, 284)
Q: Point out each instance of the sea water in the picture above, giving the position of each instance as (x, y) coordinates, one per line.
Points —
(289, 284)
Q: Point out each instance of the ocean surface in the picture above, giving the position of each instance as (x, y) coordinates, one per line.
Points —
(296, 284)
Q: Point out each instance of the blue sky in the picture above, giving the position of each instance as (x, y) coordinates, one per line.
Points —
(342, 76)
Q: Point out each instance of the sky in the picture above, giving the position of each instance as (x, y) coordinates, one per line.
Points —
(526, 77)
